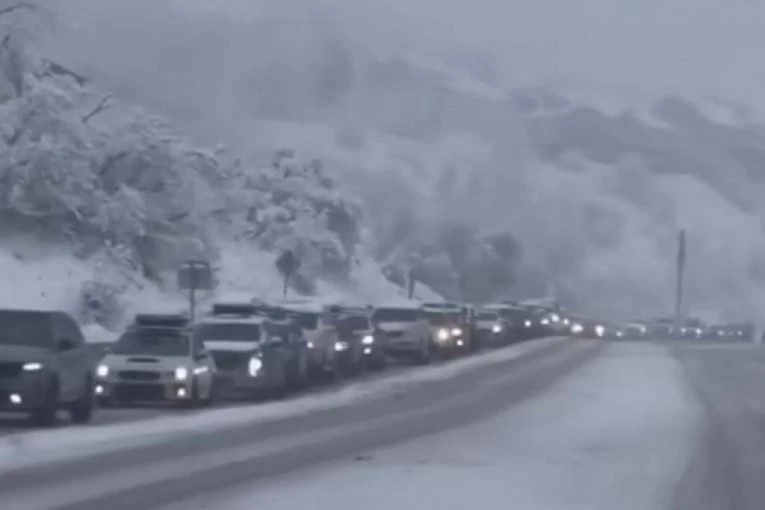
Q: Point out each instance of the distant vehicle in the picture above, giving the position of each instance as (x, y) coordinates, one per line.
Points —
(157, 360)
(445, 325)
(255, 355)
(360, 345)
(584, 327)
(743, 332)
(464, 329)
(516, 318)
(44, 366)
(320, 334)
(635, 330)
(407, 330)
(491, 328)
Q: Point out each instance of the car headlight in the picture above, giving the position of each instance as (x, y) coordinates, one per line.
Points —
(619, 333)
(181, 373)
(254, 366)
(527, 323)
(32, 367)
(456, 331)
(600, 330)
(443, 334)
(102, 370)
(555, 317)
(368, 340)
(497, 328)
(200, 370)
(545, 321)
(643, 330)
(577, 328)
(341, 346)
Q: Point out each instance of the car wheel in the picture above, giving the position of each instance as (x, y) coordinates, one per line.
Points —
(81, 410)
(45, 415)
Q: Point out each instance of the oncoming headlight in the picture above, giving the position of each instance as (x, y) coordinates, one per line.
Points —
(527, 323)
(32, 367)
(443, 334)
(102, 370)
(497, 328)
(545, 321)
(577, 328)
(456, 331)
(368, 340)
(341, 346)
(600, 330)
(555, 317)
(181, 373)
(254, 366)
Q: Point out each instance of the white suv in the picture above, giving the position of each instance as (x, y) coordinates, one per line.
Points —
(406, 329)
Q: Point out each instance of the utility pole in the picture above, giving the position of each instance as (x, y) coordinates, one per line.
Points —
(680, 269)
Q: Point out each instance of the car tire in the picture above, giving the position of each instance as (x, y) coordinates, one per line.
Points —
(46, 414)
(81, 410)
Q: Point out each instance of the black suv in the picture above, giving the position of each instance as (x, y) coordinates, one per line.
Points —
(44, 366)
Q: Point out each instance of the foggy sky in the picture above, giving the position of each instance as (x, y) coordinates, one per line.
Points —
(623, 47)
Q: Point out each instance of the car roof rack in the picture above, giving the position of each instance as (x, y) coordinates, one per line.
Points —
(166, 320)
(240, 309)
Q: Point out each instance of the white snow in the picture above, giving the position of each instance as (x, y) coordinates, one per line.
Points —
(44, 446)
(606, 437)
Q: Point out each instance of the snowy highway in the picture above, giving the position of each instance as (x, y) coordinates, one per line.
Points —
(577, 425)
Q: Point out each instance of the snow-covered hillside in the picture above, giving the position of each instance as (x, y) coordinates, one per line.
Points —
(486, 189)
(101, 200)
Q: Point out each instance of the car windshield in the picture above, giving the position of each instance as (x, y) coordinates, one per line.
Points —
(353, 323)
(395, 315)
(30, 329)
(441, 318)
(154, 341)
(307, 320)
(228, 331)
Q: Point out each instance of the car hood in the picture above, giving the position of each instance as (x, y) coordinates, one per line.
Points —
(144, 362)
(232, 345)
(23, 354)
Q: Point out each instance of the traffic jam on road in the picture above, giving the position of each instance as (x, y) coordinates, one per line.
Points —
(254, 351)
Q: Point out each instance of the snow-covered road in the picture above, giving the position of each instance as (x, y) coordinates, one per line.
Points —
(619, 432)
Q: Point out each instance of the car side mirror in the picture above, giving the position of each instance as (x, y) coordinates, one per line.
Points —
(201, 356)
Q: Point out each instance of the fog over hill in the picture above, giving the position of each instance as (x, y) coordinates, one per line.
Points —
(499, 148)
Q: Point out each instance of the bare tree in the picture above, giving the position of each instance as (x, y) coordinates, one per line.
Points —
(100, 107)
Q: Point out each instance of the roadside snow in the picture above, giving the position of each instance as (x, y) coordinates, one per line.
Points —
(616, 434)
(45, 446)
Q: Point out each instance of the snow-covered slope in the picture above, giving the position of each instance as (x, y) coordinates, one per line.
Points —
(101, 200)
(483, 188)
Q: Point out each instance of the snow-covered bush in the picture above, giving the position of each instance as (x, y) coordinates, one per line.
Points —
(116, 182)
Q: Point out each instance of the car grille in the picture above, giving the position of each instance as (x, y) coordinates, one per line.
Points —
(139, 392)
(10, 369)
(394, 334)
(138, 375)
(227, 360)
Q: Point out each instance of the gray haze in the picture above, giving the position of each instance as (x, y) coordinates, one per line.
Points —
(552, 192)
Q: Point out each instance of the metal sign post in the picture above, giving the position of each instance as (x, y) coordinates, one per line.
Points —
(195, 275)
(410, 284)
(288, 263)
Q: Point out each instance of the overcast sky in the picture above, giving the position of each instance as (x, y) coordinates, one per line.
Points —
(621, 47)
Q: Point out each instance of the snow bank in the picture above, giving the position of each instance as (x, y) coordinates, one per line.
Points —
(45, 446)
